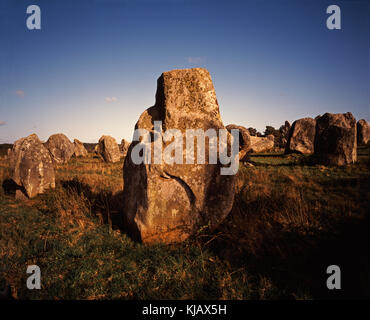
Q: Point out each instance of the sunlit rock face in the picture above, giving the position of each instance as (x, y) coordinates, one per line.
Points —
(31, 166)
(80, 150)
(301, 136)
(108, 149)
(262, 144)
(336, 139)
(60, 148)
(170, 202)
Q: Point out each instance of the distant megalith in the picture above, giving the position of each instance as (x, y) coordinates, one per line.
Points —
(96, 149)
(31, 166)
(301, 137)
(60, 148)
(363, 132)
(335, 139)
(262, 144)
(244, 141)
(282, 138)
(170, 202)
(108, 149)
(123, 147)
(80, 150)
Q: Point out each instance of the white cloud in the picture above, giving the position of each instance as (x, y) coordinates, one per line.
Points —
(111, 99)
(20, 93)
(195, 60)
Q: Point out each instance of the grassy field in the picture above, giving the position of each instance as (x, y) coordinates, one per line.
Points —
(291, 219)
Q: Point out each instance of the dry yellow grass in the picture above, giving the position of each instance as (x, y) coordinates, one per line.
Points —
(288, 220)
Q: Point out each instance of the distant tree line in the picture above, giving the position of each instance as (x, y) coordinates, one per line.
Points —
(280, 135)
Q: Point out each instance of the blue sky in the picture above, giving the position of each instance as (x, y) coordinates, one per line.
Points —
(92, 68)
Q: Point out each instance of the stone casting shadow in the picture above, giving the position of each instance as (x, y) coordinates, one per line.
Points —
(296, 261)
(104, 204)
(10, 188)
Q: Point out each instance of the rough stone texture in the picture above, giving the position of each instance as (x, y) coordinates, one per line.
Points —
(363, 132)
(301, 137)
(123, 147)
(262, 144)
(168, 203)
(31, 166)
(244, 141)
(80, 150)
(335, 139)
(108, 149)
(60, 148)
(283, 136)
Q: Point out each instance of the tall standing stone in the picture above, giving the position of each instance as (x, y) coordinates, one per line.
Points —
(363, 132)
(31, 166)
(169, 203)
(282, 140)
(336, 139)
(60, 148)
(80, 150)
(301, 137)
(108, 149)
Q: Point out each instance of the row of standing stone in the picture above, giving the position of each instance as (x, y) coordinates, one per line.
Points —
(169, 203)
(332, 138)
(32, 162)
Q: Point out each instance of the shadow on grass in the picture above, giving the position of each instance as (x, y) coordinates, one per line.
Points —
(104, 204)
(12, 189)
(360, 182)
(296, 257)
